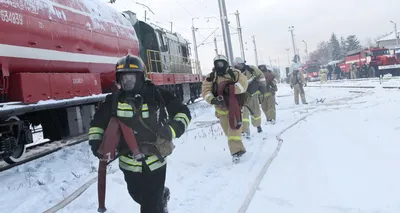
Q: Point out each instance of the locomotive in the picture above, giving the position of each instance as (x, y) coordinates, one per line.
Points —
(57, 60)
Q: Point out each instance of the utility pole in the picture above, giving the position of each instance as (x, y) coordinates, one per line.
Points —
(215, 46)
(291, 29)
(306, 50)
(145, 15)
(196, 55)
(225, 31)
(255, 50)
(239, 29)
(288, 55)
(171, 26)
(395, 33)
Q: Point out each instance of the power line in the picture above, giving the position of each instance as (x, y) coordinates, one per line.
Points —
(184, 8)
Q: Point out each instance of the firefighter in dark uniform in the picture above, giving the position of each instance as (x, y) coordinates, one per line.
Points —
(156, 116)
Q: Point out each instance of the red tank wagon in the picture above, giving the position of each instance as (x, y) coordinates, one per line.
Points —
(57, 61)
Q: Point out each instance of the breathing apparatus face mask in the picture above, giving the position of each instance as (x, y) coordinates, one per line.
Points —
(240, 66)
(127, 81)
(220, 67)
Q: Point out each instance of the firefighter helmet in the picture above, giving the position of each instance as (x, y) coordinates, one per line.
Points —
(130, 63)
(221, 58)
(129, 72)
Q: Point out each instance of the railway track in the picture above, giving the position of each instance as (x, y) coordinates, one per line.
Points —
(42, 149)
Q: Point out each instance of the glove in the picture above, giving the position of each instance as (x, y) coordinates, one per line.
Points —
(215, 102)
(94, 146)
(166, 132)
(305, 84)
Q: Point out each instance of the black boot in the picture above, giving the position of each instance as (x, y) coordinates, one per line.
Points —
(166, 198)
(259, 129)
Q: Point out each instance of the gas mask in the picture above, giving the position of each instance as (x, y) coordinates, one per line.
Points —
(220, 67)
(127, 81)
(240, 66)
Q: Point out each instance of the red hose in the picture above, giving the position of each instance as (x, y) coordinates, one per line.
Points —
(231, 103)
(109, 144)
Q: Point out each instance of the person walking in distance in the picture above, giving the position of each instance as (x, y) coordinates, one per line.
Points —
(330, 71)
(256, 81)
(297, 82)
(154, 117)
(225, 88)
(267, 99)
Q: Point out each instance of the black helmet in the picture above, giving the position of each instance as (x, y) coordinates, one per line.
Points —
(262, 67)
(130, 64)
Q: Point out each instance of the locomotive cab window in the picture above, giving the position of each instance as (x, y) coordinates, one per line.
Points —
(184, 53)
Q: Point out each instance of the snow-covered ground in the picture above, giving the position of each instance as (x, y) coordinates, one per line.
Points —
(343, 160)
(376, 82)
(340, 158)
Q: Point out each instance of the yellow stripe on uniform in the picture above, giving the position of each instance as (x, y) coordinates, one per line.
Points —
(126, 114)
(221, 112)
(267, 94)
(96, 133)
(130, 164)
(183, 118)
(256, 118)
(95, 137)
(96, 130)
(235, 138)
(173, 131)
(245, 120)
(124, 106)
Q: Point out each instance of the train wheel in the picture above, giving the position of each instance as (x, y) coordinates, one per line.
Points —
(16, 156)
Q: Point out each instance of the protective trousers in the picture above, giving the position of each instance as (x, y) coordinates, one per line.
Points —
(251, 108)
(299, 90)
(234, 135)
(147, 188)
(323, 77)
(353, 74)
(268, 105)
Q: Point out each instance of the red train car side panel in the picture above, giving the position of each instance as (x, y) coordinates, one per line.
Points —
(33, 87)
(61, 86)
(29, 87)
(63, 36)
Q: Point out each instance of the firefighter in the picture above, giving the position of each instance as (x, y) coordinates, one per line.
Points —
(297, 82)
(156, 117)
(267, 99)
(256, 81)
(221, 74)
(353, 71)
(322, 74)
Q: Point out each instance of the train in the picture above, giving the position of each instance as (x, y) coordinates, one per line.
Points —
(57, 61)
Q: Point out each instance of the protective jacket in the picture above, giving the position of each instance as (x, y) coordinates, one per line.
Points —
(255, 79)
(211, 82)
(297, 77)
(145, 113)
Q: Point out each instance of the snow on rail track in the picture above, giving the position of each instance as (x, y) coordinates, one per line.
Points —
(333, 104)
(42, 150)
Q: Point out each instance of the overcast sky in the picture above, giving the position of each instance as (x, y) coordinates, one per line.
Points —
(268, 20)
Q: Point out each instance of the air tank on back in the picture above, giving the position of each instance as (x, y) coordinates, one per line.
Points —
(63, 36)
